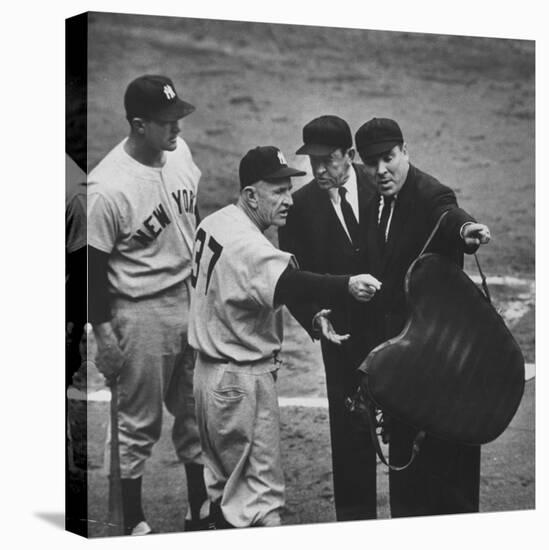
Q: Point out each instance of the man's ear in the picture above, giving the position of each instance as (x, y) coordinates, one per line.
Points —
(138, 125)
(351, 154)
(405, 149)
(249, 193)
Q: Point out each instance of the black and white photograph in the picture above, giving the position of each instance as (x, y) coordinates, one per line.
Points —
(299, 254)
(310, 274)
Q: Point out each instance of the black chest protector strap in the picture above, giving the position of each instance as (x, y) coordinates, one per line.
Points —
(365, 409)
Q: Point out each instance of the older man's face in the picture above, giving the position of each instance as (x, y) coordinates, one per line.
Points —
(331, 170)
(389, 170)
(274, 200)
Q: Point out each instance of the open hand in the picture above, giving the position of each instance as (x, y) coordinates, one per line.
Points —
(322, 322)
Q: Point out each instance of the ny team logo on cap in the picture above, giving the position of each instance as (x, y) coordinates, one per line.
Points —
(154, 97)
(169, 91)
(265, 163)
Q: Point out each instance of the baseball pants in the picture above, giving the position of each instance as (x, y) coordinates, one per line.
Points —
(158, 369)
(239, 423)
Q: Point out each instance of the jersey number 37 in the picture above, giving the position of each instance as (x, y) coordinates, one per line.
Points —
(216, 250)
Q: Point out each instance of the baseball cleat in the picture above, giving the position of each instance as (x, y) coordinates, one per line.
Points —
(142, 528)
(205, 522)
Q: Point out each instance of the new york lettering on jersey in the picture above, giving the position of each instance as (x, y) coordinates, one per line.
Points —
(184, 201)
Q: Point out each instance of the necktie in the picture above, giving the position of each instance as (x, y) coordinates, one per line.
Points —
(385, 213)
(349, 217)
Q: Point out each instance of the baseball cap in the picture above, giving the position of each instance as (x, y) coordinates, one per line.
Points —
(325, 134)
(265, 163)
(377, 136)
(154, 97)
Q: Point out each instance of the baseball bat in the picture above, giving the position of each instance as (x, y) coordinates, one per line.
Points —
(116, 515)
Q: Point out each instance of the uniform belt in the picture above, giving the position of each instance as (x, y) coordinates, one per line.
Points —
(272, 362)
(208, 359)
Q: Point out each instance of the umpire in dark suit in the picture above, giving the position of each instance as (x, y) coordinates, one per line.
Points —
(444, 478)
(326, 230)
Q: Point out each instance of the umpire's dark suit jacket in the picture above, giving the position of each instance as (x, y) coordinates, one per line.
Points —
(314, 234)
(445, 477)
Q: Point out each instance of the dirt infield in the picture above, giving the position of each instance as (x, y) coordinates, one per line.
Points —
(507, 481)
(466, 107)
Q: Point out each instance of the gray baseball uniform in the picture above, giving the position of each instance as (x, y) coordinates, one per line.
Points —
(144, 218)
(238, 333)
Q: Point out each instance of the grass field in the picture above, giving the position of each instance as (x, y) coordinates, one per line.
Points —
(466, 107)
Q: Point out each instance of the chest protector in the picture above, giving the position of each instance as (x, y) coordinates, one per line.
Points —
(455, 371)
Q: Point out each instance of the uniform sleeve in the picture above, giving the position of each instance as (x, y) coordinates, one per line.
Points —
(265, 264)
(103, 224)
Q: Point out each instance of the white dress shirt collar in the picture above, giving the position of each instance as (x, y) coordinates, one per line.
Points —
(352, 194)
(352, 198)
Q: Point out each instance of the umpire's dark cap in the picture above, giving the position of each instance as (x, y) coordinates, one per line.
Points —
(377, 136)
(265, 163)
(154, 97)
(323, 135)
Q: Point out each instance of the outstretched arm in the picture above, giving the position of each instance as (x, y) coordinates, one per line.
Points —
(458, 226)
(295, 286)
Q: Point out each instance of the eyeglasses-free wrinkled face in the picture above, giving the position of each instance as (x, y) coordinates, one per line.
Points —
(274, 200)
(331, 170)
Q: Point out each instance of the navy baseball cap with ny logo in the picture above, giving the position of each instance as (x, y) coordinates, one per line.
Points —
(265, 163)
(154, 97)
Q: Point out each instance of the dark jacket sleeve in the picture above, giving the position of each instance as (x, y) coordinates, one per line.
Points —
(443, 199)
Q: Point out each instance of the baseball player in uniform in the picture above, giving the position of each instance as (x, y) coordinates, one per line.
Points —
(240, 282)
(142, 218)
